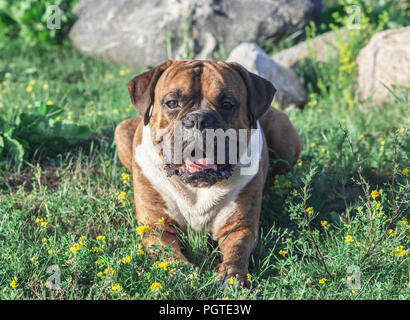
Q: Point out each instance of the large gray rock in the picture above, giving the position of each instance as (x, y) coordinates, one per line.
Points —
(149, 32)
(320, 49)
(385, 59)
(291, 90)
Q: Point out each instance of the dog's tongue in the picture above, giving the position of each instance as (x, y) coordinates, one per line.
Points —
(200, 165)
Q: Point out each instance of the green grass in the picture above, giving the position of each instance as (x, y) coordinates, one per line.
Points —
(76, 195)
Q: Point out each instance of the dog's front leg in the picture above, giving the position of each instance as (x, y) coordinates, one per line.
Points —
(236, 247)
(151, 212)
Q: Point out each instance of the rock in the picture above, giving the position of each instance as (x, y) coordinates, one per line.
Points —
(386, 59)
(291, 89)
(321, 48)
(149, 32)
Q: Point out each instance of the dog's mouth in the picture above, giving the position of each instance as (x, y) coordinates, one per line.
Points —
(200, 172)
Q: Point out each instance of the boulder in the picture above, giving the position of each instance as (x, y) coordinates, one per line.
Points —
(291, 90)
(385, 59)
(321, 49)
(149, 32)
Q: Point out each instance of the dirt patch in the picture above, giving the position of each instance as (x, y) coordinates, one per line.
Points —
(12, 180)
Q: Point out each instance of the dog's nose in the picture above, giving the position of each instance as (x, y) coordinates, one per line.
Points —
(199, 120)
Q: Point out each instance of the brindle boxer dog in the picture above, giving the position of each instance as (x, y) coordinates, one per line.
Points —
(220, 198)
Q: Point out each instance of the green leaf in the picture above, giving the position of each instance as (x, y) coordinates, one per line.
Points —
(14, 149)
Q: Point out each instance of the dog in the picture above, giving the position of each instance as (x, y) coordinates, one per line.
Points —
(224, 199)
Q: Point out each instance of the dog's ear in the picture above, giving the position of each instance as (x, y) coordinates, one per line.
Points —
(260, 92)
(141, 89)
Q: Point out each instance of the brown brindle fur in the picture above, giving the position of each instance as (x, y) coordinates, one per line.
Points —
(237, 238)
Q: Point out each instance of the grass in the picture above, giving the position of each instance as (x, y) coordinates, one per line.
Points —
(88, 233)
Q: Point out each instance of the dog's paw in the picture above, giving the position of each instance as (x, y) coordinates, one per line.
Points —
(232, 276)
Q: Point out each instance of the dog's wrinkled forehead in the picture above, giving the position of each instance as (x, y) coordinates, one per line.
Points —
(200, 79)
(204, 80)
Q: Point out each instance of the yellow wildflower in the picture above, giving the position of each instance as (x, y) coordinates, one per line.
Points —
(125, 176)
(349, 238)
(142, 229)
(309, 210)
(392, 233)
(399, 252)
(161, 220)
(405, 172)
(313, 144)
(375, 194)
(404, 223)
(193, 275)
(156, 286)
(102, 238)
(13, 283)
(161, 265)
(29, 88)
(283, 252)
(231, 281)
(322, 281)
(117, 287)
(109, 270)
(323, 223)
(121, 195)
(248, 277)
(45, 86)
(49, 102)
(126, 259)
(226, 298)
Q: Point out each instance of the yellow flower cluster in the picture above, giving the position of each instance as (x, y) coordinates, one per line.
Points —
(77, 246)
(116, 287)
(156, 286)
(324, 223)
(13, 283)
(399, 252)
(349, 239)
(126, 260)
(41, 222)
(375, 194)
(125, 177)
(102, 238)
(122, 196)
(283, 252)
(162, 265)
(142, 229)
(322, 281)
(140, 251)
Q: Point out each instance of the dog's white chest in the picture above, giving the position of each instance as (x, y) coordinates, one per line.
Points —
(201, 208)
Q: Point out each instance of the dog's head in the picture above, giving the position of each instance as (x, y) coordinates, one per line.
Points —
(195, 109)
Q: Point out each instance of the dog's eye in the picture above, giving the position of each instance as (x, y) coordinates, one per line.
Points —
(172, 104)
(227, 105)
